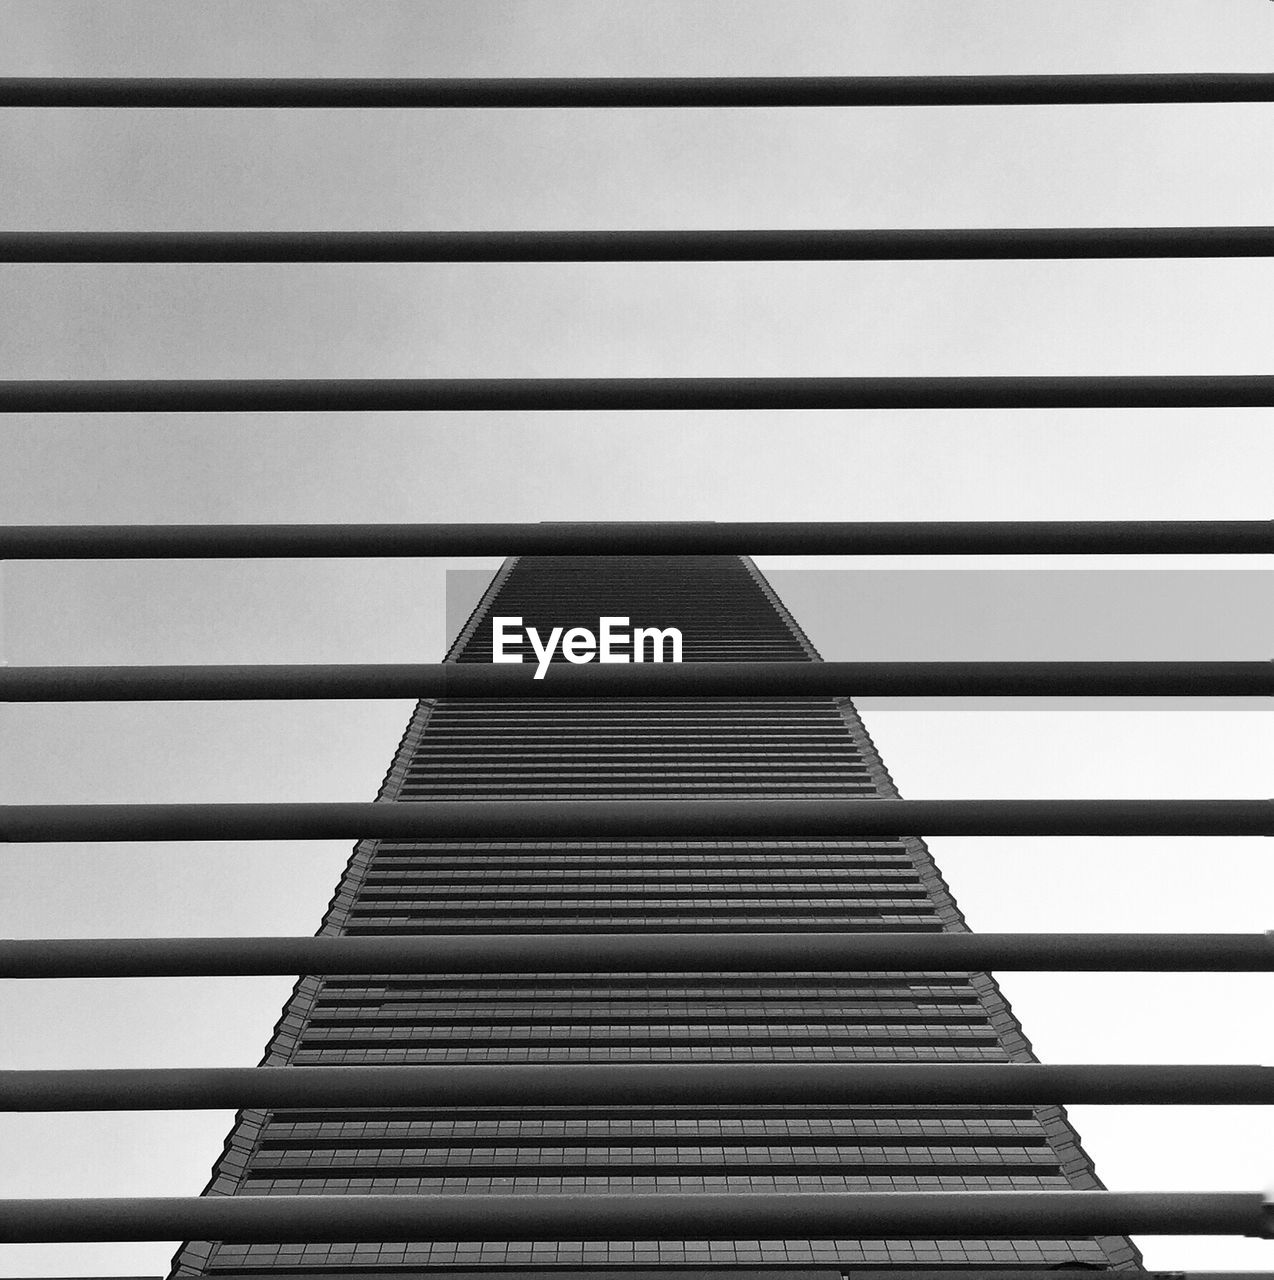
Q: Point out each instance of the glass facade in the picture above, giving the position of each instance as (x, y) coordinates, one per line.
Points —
(629, 749)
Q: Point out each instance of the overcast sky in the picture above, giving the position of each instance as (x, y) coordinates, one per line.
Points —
(1040, 166)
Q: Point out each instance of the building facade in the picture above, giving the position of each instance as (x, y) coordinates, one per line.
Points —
(758, 748)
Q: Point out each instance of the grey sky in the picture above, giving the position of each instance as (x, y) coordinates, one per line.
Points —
(457, 170)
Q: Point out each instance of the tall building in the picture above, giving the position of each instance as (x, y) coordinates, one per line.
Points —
(758, 748)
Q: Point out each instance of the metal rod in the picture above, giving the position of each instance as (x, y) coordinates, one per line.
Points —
(881, 538)
(708, 91)
(927, 244)
(642, 680)
(637, 953)
(753, 1084)
(384, 395)
(875, 1215)
(634, 819)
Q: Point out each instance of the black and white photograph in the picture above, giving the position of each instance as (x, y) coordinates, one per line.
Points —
(636, 639)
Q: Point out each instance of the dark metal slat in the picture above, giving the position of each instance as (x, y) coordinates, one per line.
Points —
(634, 819)
(639, 680)
(875, 1215)
(636, 953)
(868, 244)
(999, 537)
(427, 395)
(661, 91)
(557, 1084)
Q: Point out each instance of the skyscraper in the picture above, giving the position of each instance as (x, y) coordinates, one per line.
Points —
(755, 748)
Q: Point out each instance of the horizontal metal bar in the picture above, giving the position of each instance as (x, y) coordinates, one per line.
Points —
(830, 244)
(753, 1084)
(633, 819)
(642, 680)
(663, 91)
(459, 395)
(637, 953)
(875, 1215)
(674, 537)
